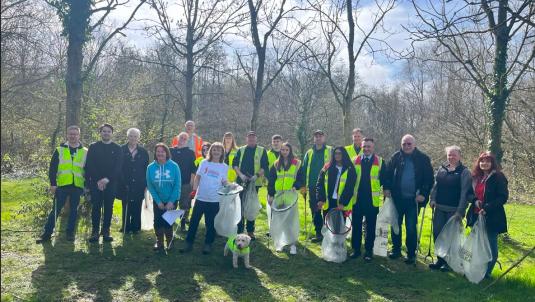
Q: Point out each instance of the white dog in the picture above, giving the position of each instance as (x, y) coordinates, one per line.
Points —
(239, 246)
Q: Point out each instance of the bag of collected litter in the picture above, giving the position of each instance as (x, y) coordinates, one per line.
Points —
(226, 220)
(147, 213)
(334, 231)
(284, 225)
(388, 215)
(251, 205)
(380, 244)
(449, 242)
(475, 252)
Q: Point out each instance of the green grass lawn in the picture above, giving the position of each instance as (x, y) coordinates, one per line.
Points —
(128, 269)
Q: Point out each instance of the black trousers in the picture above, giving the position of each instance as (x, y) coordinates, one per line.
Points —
(209, 210)
(317, 217)
(249, 225)
(102, 199)
(159, 222)
(356, 231)
(132, 215)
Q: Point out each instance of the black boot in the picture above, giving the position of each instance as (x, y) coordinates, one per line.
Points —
(45, 237)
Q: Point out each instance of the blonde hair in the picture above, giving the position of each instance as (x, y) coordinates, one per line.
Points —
(217, 145)
(233, 145)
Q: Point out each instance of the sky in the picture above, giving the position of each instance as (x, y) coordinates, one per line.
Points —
(376, 71)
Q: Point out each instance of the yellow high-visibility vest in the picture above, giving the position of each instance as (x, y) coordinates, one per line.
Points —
(286, 179)
(71, 169)
(341, 186)
(257, 158)
(377, 197)
(352, 152)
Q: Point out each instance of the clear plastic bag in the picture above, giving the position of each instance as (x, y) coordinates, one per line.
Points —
(449, 243)
(284, 225)
(333, 246)
(475, 252)
(226, 220)
(147, 213)
(251, 205)
(388, 215)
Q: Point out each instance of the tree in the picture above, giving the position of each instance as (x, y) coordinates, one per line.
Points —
(77, 16)
(331, 15)
(192, 35)
(492, 41)
(277, 22)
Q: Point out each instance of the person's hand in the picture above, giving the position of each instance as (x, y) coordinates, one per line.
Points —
(478, 203)
(387, 193)
(161, 205)
(243, 177)
(101, 186)
(105, 180)
(169, 206)
(303, 191)
(320, 205)
(432, 204)
(192, 194)
(270, 200)
(340, 207)
(482, 212)
(420, 198)
(52, 190)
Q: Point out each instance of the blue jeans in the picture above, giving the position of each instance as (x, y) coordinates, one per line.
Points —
(406, 208)
(493, 241)
(59, 201)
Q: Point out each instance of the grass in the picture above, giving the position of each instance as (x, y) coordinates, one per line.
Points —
(128, 269)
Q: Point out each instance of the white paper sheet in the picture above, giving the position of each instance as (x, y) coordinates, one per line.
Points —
(172, 216)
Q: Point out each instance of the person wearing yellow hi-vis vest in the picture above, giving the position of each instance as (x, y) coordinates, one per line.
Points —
(284, 176)
(204, 153)
(229, 142)
(371, 180)
(314, 160)
(251, 160)
(355, 149)
(67, 180)
(336, 183)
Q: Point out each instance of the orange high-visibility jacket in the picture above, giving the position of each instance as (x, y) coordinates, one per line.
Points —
(197, 143)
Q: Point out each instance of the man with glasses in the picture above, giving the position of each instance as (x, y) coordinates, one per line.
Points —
(412, 178)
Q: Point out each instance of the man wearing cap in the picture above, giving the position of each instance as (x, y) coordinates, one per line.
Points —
(354, 149)
(250, 160)
(315, 158)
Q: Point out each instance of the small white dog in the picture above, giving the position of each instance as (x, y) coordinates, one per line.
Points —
(239, 246)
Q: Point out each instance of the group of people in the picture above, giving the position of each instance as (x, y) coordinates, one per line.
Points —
(352, 179)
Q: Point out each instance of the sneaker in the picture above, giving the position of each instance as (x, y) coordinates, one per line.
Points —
(70, 237)
(317, 239)
(293, 249)
(278, 250)
(94, 237)
(188, 247)
(438, 265)
(207, 249)
(394, 255)
(410, 260)
(107, 238)
(368, 256)
(445, 268)
(43, 238)
(354, 255)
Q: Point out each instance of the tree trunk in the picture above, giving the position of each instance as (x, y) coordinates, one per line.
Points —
(75, 26)
(500, 94)
(348, 97)
(346, 115)
(261, 52)
(189, 76)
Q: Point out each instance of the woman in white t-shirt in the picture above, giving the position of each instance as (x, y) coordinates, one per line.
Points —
(211, 176)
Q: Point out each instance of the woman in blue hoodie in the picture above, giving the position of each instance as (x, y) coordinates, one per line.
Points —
(163, 183)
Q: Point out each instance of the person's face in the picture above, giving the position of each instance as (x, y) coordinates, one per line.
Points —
(227, 141)
(357, 138)
(251, 140)
(161, 156)
(106, 134)
(285, 151)
(190, 127)
(216, 153)
(319, 139)
(338, 156)
(73, 136)
(276, 144)
(133, 138)
(182, 140)
(205, 150)
(485, 164)
(407, 145)
(368, 148)
(453, 157)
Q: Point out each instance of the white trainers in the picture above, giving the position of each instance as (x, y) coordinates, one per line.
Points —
(293, 249)
(278, 250)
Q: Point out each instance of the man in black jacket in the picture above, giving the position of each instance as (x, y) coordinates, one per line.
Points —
(103, 169)
(412, 178)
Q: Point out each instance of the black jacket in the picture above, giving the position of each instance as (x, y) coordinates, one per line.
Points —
(496, 195)
(133, 178)
(424, 177)
(347, 193)
(103, 161)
